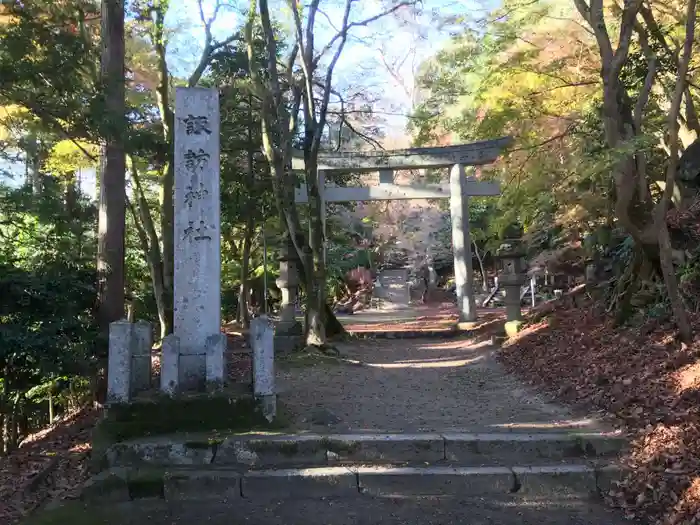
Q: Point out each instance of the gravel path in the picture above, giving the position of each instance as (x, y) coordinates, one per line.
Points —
(415, 385)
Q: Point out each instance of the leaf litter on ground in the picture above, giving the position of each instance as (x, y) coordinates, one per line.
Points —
(642, 378)
(49, 465)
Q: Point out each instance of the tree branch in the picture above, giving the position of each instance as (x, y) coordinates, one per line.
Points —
(52, 120)
(567, 85)
(209, 45)
(344, 121)
(569, 129)
(629, 15)
(343, 33)
(674, 113)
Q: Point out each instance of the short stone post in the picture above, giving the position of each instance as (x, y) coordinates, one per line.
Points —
(591, 271)
(289, 332)
(262, 341)
(142, 344)
(119, 362)
(170, 365)
(216, 348)
(129, 365)
(513, 276)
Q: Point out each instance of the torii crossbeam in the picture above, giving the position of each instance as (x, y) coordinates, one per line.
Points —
(459, 189)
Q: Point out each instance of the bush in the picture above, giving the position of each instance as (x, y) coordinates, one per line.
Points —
(48, 341)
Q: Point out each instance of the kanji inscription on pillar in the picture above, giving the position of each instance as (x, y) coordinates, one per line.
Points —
(197, 255)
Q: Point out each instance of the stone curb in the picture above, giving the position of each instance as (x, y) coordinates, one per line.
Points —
(318, 450)
(183, 484)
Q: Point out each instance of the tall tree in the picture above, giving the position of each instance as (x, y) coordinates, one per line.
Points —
(112, 206)
(306, 88)
(622, 116)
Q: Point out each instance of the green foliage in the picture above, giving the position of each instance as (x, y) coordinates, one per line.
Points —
(48, 337)
(491, 82)
(48, 64)
(47, 326)
(340, 259)
(164, 415)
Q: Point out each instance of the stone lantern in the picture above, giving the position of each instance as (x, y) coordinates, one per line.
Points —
(513, 268)
(288, 333)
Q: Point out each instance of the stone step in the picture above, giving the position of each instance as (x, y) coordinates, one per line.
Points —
(360, 509)
(119, 484)
(317, 450)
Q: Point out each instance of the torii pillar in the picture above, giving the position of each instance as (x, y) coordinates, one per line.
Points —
(460, 188)
(462, 244)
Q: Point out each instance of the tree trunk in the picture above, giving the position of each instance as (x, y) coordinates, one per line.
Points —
(151, 253)
(70, 199)
(110, 245)
(11, 434)
(666, 258)
(151, 248)
(243, 306)
(51, 413)
(674, 296)
(484, 284)
(23, 428)
(243, 313)
(316, 277)
(33, 165)
(3, 448)
(168, 177)
(333, 326)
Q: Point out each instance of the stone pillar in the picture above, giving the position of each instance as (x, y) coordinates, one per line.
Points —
(197, 254)
(170, 365)
(119, 363)
(591, 271)
(461, 244)
(262, 342)
(289, 332)
(129, 365)
(512, 259)
(142, 344)
(215, 369)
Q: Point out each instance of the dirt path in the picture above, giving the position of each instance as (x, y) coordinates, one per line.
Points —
(415, 385)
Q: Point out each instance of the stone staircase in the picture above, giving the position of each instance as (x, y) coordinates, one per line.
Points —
(255, 466)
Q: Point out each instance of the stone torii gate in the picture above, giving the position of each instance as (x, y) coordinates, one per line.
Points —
(459, 189)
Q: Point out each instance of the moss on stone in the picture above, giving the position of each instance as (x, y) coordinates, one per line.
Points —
(165, 415)
(146, 484)
(340, 447)
(286, 448)
(204, 444)
(72, 513)
(289, 448)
